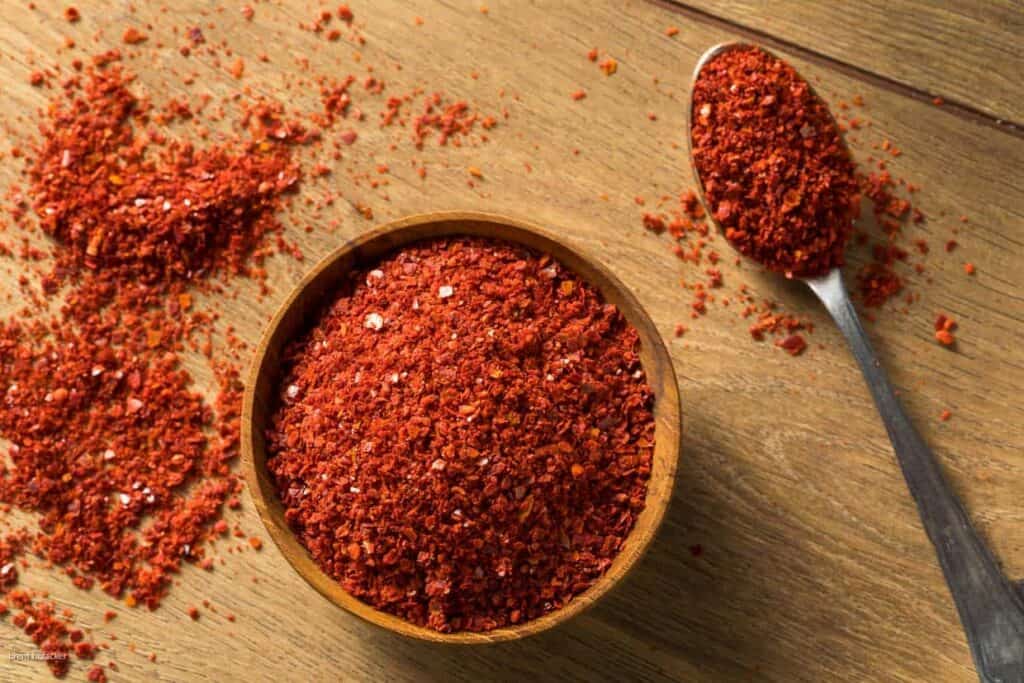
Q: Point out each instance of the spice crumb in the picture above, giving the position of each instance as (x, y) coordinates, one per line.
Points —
(794, 344)
(133, 36)
(609, 66)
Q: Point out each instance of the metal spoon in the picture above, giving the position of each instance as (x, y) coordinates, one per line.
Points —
(991, 610)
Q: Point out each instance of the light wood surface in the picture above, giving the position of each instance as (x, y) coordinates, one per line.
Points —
(814, 565)
(968, 52)
(307, 301)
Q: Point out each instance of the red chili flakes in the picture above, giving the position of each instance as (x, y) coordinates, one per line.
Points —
(37, 78)
(193, 613)
(578, 94)
(248, 12)
(429, 423)
(96, 674)
(72, 15)
(451, 120)
(345, 14)
(133, 36)
(775, 172)
(951, 245)
(123, 463)
(592, 55)
(794, 344)
(255, 543)
(944, 327)
(945, 415)
(237, 68)
(654, 223)
(969, 268)
(672, 31)
(877, 283)
(204, 209)
(609, 66)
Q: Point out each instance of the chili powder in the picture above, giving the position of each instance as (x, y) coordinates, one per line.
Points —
(464, 437)
(125, 465)
(775, 171)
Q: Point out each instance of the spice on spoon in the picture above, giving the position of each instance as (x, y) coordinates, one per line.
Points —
(776, 174)
(464, 437)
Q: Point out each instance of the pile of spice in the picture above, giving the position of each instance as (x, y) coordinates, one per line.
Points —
(464, 438)
(775, 172)
(125, 465)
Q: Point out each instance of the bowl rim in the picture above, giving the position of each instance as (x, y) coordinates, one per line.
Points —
(667, 414)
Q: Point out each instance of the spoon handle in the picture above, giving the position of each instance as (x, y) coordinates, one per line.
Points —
(991, 611)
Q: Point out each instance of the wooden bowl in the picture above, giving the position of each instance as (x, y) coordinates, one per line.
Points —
(299, 311)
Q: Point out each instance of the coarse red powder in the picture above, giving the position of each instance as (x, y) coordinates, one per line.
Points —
(775, 172)
(464, 437)
(883, 275)
(124, 464)
(143, 219)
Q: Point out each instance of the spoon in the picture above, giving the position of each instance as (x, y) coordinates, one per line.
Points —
(990, 608)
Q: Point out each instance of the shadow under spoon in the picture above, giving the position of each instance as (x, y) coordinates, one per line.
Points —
(991, 608)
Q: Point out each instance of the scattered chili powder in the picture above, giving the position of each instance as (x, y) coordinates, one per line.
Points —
(124, 464)
(774, 168)
(465, 436)
(945, 415)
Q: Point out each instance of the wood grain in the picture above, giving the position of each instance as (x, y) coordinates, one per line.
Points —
(970, 53)
(307, 300)
(814, 565)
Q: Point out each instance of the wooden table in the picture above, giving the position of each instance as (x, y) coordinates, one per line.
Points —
(814, 564)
